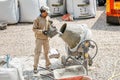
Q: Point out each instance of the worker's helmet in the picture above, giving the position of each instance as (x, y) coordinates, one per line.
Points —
(44, 8)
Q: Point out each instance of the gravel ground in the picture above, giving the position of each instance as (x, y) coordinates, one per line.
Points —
(18, 40)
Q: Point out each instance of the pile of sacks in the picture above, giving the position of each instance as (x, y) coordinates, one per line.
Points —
(20, 68)
(13, 11)
(10, 69)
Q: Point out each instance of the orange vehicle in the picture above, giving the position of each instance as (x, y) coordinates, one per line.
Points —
(113, 11)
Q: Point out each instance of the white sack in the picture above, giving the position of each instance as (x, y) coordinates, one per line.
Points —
(29, 9)
(57, 7)
(9, 12)
(81, 8)
(16, 63)
(9, 74)
(43, 3)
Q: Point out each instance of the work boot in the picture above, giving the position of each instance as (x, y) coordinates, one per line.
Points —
(49, 67)
(35, 71)
(48, 64)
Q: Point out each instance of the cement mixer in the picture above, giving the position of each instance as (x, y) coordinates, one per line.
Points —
(79, 46)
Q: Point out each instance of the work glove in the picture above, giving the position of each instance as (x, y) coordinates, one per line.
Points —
(45, 32)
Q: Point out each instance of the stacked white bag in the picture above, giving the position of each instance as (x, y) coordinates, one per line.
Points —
(57, 7)
(9, 74)
(81, 8)
(12, 70)
(29, 10)
(9, 11)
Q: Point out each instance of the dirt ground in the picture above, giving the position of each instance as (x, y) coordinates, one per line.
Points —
(19, 40)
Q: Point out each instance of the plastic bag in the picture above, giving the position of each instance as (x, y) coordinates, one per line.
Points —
(67, 17)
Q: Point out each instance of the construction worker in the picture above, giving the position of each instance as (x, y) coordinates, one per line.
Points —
(40, 28)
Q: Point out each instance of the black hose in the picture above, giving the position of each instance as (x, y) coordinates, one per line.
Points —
(95, 46)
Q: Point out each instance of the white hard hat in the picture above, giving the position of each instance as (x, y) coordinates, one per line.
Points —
(45, 8)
